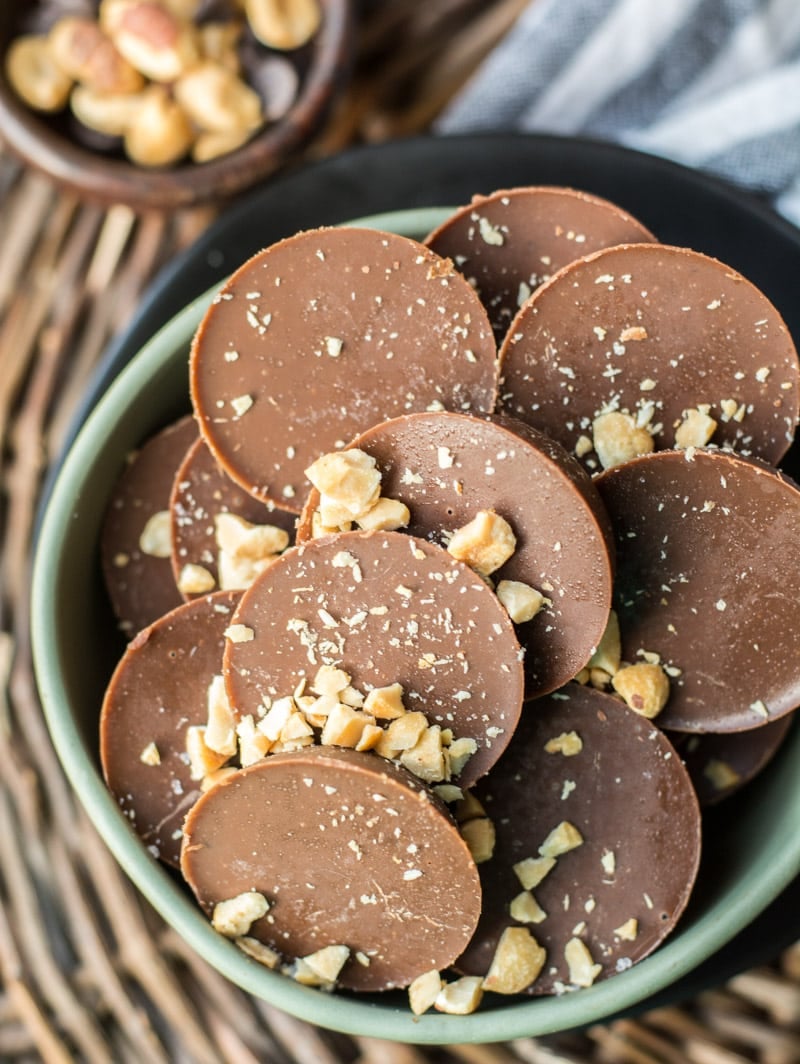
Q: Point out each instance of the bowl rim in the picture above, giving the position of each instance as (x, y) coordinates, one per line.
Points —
(518, 1018)
(106, 180)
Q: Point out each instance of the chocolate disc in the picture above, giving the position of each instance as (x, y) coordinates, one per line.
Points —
(708, 579)
(386, 608)
(653, 331)
(446, 467)
(719, 764)
(634, 807)
(201, 491)
(510, 242)
(140, 583)
(348, 851)
(321, 336)
(159, 689)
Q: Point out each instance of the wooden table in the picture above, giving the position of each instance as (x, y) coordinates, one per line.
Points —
(87, 970)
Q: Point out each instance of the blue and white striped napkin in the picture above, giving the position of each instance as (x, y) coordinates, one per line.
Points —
(713, 84)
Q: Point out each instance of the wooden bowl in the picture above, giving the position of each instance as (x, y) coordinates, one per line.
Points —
(44, 142)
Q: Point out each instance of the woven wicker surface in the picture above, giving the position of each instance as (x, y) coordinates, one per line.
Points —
(87, 970)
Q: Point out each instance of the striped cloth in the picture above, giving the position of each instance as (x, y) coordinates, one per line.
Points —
(714, 84)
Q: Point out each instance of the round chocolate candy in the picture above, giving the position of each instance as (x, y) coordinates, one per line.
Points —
(708, 580)
(597, 839)
(200, 492)
(654, 332)
(135, 544)
(348, 851)
(719, 764)
(447, 467)
(321, 336)
(159, 689)
(386, 608)
(508, 243)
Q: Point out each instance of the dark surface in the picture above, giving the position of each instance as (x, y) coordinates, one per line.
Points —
(681, 206)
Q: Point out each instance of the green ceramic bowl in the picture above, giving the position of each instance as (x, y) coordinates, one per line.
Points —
(753, 845)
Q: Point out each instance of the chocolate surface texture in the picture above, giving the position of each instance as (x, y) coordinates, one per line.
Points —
(321, 336)
(140, 584)
(509, 243)
(446, 467)
(158, 690)
(708, 579)
(348, 851)
(387, 608)
(630, 798)
(652, 331)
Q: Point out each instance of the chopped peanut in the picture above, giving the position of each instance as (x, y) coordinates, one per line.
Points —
(644, 687)
(617, 439)
(253, 744)
(485, 543)
(517, 962)
(695, 430)
(562, 839)
(468, 808)
(348, 483)
(385, 703)
(567, 743)
(426, 757)
(234, 917)
(628, 931)
(195, 580)
(460, 997)
(721, 775)
(345, 726)
(150, 755)
(423, 991)
(609, 651)
(521, 601)
(402, 734)
(370, 737)
(459, 752)
(221, 727)
(525, 909)
(245, 549)
(330, 680)
(156, 536)
(258, 951)
(326, 963)
(479, 835)
(274, 721)
(385, 516)
(213, 778)
(532, 870)
(202, 759)
(239, 633)
(582, 970)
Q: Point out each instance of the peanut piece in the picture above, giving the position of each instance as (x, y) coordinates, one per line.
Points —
(423, 991)
(582, 970)
(202, 759)
(480, 837)
(517, 962)
(644, 687)
(532, 870)
(567, 743)
(695, 430)
(218, 101)
(385, 703)
(221, 727)
(459, 752)
(426, 757)
(34, 74)
(521, 601)
(617, 439)
(563, 838)
(349, 485)
(253, 744)
(402, 734)
(721, 775)
(386, 515)
(234, 917)
(628, 931)
(609, 650)
(213, 778)
(258, 951)
(276, 718)
(525, 909)
(155, 538)
(150, 755)
(283, 24)
(485, 543)
(325, 964)
(468, 808)
(330, 680)
(460, 997)
(345, 726)
(160, 133)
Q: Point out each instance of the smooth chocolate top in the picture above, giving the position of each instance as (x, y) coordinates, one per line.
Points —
(649, 324)
(324, 334)
(510, 242)
(386, 608)
(719, 764)
(160, 688)
(348, 851)
(708, 578)
(446, 467)
(630, 798)
(200, 491)
(140, 585)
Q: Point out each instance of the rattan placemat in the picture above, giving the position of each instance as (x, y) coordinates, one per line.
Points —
(88, 972)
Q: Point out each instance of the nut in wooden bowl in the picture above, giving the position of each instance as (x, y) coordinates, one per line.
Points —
(166, 103)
